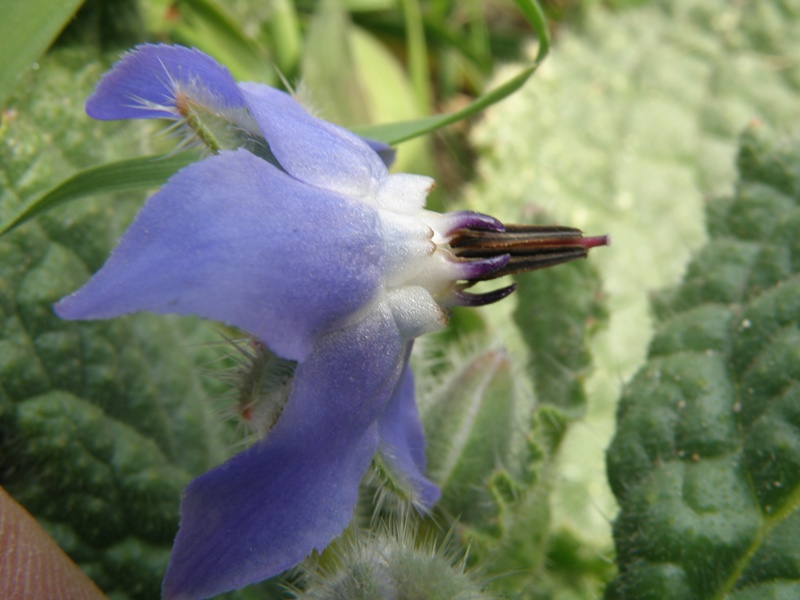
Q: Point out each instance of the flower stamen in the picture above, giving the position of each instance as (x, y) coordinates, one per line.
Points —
(514, 249)
(530, 247)
(459, 297)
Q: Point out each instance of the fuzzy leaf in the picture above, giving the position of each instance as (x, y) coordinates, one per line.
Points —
(629, 126)
(27, 29)
(706, 461)
(493, 475)
(467, 427)
(556, 311)
(101, 424)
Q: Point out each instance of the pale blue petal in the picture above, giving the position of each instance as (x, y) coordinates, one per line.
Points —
(144, 82)
(234, 239)
(265, 509)
(312, 150)
(385, 151)
(402, 442)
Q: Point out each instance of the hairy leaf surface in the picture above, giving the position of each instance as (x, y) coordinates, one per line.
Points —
(706, 460)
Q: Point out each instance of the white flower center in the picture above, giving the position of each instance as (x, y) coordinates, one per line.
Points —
(419, 267)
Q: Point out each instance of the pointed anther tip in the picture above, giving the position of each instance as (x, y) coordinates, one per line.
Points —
(595, 241)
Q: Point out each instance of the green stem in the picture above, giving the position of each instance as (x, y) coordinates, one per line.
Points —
(417, 55)
(394, 133)
(191, 117)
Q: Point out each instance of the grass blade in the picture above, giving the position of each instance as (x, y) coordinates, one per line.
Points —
(125, 175)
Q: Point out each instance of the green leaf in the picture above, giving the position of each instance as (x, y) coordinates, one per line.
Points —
(492, 445)
(329, 74)
(26, 30)
(106, 25)
(126, 175)
(394, 133)
(365, 5)
(101, 423)
(207, 25)
(390, 98)
(626, 130)
(284, 31)
(467, 424)
(556, 311)
(490, 452)
(418, 60)
(706, 460)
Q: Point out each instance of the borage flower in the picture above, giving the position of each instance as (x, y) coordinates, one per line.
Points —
(295, 232)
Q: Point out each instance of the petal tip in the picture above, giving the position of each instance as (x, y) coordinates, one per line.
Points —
(64, 308)
(143, 82)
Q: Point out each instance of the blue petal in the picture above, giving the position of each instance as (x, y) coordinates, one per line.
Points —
(312, 150)
(234, 239)
(385, 151)
(264, 510)
(143, 84)
(402, 442)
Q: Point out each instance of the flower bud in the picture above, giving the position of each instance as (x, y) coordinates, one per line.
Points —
(485, 451)
(388, 564)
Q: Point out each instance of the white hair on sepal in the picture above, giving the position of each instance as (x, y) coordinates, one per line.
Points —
(391, 560)
(259, 385)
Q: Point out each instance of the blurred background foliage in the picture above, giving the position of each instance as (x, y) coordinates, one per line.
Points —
(630, 127)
